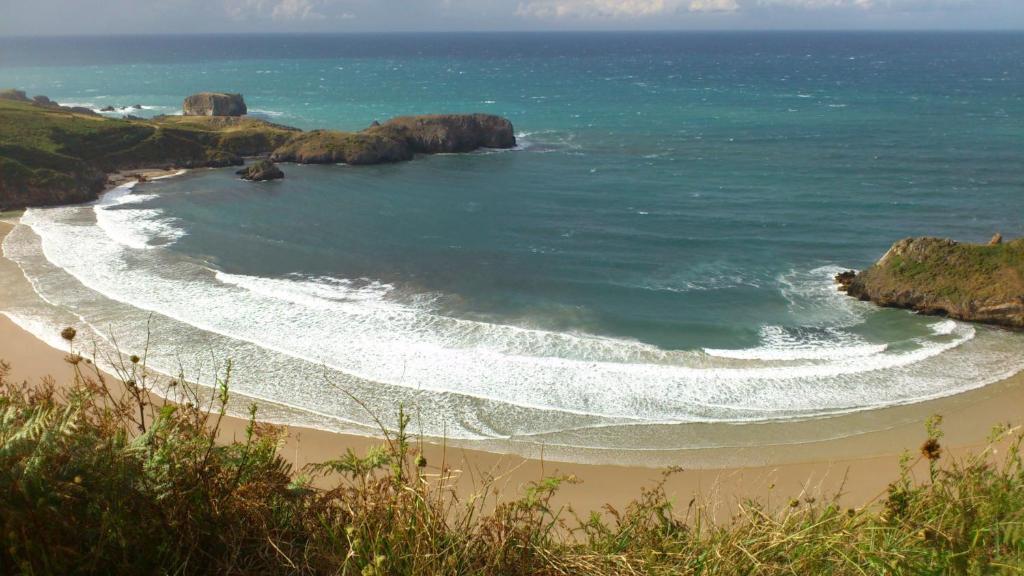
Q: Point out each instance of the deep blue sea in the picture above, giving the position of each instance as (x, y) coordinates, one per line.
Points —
(657, 252)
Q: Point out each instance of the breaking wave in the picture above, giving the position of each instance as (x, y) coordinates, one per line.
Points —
(478, 380)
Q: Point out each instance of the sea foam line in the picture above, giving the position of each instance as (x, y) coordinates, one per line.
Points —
(382, 345)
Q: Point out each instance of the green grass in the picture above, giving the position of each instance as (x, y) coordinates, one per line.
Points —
(94, 481)
(52, 155)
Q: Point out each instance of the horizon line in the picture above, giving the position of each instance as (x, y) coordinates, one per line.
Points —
(525, 31)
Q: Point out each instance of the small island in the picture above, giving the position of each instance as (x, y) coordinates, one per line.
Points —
(52, 154)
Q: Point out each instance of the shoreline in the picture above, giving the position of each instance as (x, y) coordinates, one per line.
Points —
(141, 176)
(857, 467)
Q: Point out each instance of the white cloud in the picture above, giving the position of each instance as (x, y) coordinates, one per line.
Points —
(625, 9)
(595, 8)
(280, 10)
(295, 10)
(713, 6)
(865, 4)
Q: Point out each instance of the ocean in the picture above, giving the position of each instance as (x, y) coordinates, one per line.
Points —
(654, 258)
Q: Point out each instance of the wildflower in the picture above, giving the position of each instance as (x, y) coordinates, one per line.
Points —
(78, 479)
(793, 502)
(931, 449)
(68, 333)
(421, 462)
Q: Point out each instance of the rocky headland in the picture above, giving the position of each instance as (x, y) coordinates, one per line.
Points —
(970, 282)
(52, 154)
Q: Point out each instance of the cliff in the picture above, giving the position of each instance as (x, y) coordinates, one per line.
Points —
(214, 104)
(971, 282)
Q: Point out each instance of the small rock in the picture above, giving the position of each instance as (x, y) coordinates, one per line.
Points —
(260, 171)
(997, 239)
(107, 109)
(845, 278)
(44, 101)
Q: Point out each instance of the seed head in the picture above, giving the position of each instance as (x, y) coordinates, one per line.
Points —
(135, 359)
(68, 333)
(931, 449)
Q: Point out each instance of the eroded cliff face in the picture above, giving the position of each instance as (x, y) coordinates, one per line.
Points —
(214, 104)
(971, 282)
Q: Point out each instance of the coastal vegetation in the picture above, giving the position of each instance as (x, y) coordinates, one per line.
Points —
(52, 154)
(972, 282)
(55, 155)
(104, 479)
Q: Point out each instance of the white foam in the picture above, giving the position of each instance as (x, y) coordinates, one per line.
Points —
(319, 292)
(141, 229)
(264, 112)
(781, 344)
(358, 328)
(943, 328)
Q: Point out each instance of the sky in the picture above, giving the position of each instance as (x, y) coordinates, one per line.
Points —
(89, 17)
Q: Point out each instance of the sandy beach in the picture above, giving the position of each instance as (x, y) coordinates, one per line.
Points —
(857, 467)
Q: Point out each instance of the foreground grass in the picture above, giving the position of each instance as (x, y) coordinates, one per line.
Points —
(100, 480)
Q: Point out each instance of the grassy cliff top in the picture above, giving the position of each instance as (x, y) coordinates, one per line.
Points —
(53, 155)
(952, 269)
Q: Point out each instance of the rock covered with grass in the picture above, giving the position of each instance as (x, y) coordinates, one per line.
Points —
(971, 282)
(260, 171)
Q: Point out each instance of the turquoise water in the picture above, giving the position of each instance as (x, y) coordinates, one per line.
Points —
(658, 250)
